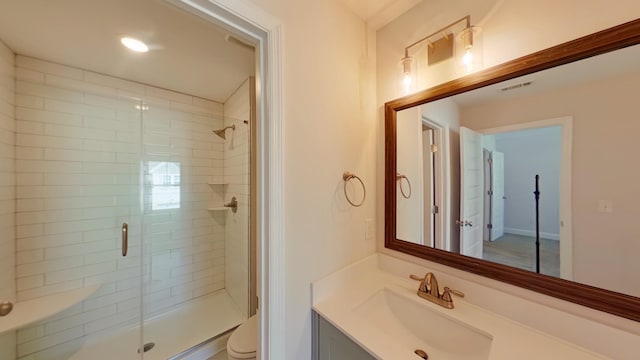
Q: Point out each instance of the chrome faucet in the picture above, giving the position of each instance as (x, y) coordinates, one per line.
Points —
(429, 290)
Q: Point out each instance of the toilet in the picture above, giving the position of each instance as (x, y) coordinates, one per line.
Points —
(243, 342)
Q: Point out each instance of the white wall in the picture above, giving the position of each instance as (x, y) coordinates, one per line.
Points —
(330, 126)
(409, 163)
(78, 154)
(237, 109)
(7, 191)
(526, 154)
(515, 28)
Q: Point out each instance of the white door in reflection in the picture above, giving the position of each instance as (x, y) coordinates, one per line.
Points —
(165, 184)
(471, 183)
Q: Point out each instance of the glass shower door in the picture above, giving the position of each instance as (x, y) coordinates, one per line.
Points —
(115, 199)
(79, 224)
(122, 337)
(184, 217)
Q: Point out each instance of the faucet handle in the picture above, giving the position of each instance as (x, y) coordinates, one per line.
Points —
(416, 277)
(446, 294)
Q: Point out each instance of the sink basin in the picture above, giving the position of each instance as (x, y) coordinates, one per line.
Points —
(417, 326)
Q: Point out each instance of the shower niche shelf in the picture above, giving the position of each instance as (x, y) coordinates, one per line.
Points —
(214, 183)
(30, 311)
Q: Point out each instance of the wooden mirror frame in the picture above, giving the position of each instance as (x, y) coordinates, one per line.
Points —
(615, 38)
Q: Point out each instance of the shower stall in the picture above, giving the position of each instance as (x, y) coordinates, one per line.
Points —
(125, 214)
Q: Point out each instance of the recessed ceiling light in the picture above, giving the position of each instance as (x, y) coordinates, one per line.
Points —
(134, 44)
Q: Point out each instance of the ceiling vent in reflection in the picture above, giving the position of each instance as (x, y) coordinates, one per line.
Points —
(517, 86)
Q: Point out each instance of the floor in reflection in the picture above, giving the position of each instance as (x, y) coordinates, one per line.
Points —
(520, 251)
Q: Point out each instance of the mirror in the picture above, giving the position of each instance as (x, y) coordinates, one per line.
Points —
(524, 172)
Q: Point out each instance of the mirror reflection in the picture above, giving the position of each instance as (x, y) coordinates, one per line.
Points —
(536, 172)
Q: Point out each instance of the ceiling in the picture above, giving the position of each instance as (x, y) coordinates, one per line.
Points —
(378, 13)
(366, 9)
(188, 54)
(612, 64)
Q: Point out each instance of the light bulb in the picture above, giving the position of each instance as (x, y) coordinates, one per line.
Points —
(407, 82)
(467, 60)
(134, 44)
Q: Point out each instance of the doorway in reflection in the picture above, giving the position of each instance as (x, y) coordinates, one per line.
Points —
(511, 160)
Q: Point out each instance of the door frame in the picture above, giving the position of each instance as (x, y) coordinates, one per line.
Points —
(487, 157)
(566, 224)
(427, 135)
(442, 164)
(264, 31)
(500, 155)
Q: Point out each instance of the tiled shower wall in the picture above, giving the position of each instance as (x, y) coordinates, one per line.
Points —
(184, 246)
(236, 174)
(78, 154)
(7, 190)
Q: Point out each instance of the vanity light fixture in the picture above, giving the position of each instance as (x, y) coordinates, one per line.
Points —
(441, 47)
(134, 44)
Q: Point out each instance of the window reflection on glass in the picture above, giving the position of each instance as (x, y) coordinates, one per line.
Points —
(165, 185)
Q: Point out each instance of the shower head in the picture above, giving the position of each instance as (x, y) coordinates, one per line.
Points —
(222, 132)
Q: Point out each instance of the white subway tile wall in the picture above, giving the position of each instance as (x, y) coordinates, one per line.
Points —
(237, 109)
(7, 191)
(184, 242)
(80, 147)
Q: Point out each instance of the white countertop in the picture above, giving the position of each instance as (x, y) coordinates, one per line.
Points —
(336, 296)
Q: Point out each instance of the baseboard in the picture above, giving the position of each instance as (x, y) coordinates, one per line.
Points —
(205, 350)
(543, 235)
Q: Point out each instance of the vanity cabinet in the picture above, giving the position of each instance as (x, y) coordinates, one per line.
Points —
(331, 344)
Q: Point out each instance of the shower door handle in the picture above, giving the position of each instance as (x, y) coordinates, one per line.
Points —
(125, 239)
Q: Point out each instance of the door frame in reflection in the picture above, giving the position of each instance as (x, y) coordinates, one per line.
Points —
(441, 179)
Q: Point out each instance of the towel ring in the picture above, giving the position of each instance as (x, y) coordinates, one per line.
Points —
(399, 177)
(346, 176)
